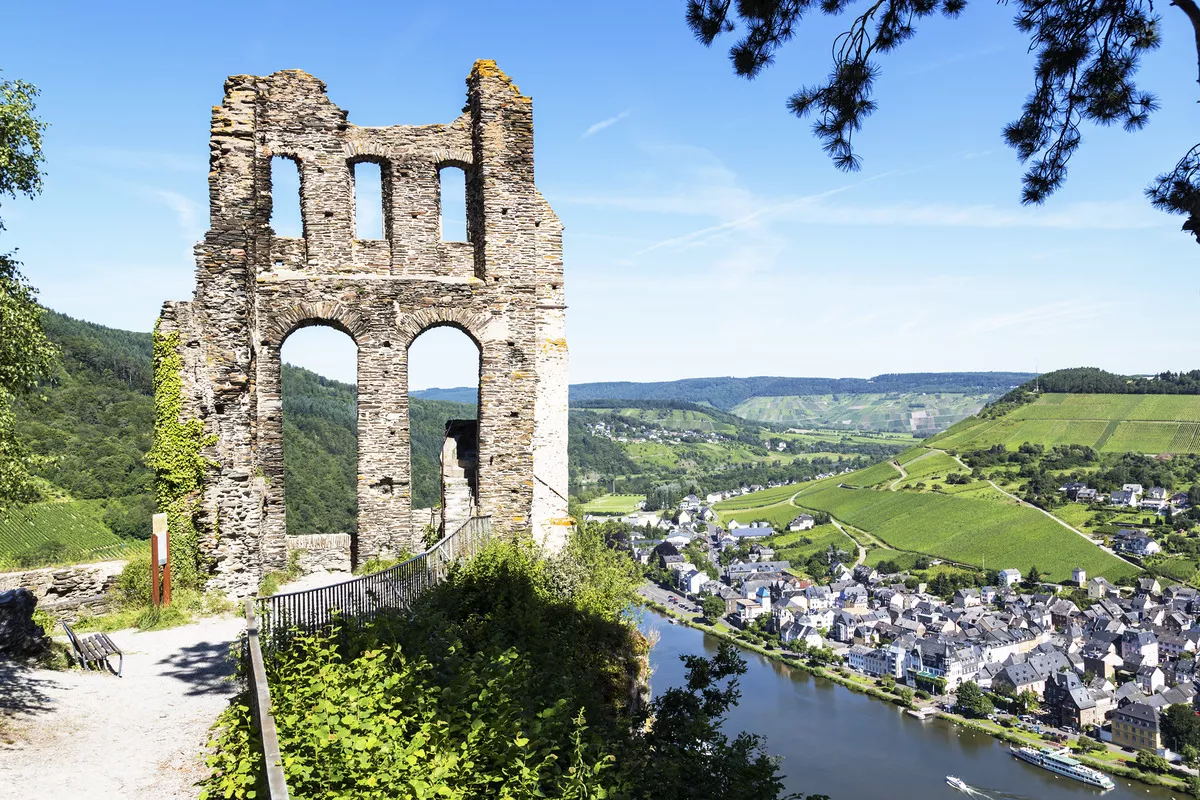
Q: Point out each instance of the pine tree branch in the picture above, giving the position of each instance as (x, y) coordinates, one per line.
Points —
(1192, 10)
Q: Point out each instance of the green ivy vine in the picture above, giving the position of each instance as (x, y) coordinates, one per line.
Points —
(177, 462)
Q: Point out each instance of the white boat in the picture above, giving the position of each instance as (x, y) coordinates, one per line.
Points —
(957, 783)
(1058, 762)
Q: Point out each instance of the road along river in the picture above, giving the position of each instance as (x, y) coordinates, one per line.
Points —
(850, 746)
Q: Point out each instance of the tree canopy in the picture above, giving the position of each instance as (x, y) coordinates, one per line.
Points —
(25, 353)
(1087, 56)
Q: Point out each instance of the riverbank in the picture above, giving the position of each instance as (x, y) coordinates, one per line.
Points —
(1107, 761)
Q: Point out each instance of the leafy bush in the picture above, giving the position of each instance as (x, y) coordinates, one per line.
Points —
(510, 679)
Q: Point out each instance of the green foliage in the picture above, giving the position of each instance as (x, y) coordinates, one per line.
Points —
(26, 355)
(177, 462)
(713, 607)
(1150, 762)
(508, 680)
(320, 453)
(972, 702)
(91, 422)
(1180, 727)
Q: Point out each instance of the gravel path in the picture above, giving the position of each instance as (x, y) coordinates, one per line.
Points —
(89, 734)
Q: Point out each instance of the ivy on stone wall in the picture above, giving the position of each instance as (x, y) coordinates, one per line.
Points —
(177, 462)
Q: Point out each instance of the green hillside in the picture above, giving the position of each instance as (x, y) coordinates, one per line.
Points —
(58, 531)
(675, 419)
(90, 433)
(1108, 423)
(916, 412)
(967, 530)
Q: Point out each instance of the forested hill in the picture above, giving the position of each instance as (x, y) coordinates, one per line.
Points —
(725, 393)
(91, 432)
(1090, 380)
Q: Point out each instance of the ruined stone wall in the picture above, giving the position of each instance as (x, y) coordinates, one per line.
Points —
(68, 592)
(321, 552)
(503, 288)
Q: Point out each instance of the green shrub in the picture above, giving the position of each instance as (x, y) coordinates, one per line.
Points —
(133, 584)
(510, 679)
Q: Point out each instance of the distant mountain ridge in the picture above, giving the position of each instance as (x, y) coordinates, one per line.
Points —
(457, 394)
(726, 392)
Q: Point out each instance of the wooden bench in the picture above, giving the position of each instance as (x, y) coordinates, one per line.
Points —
(94, 650)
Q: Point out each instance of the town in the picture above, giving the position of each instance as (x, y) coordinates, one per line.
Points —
(1084, 658)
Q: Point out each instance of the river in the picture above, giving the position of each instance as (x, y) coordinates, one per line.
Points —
(850, 746)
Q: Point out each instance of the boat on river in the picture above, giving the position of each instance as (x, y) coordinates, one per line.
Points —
(957, 783)
(1058, 762)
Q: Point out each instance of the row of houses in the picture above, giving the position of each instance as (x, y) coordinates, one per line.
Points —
(1115, 664)
(1156, 499)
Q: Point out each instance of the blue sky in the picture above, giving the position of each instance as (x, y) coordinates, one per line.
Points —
(706, 232)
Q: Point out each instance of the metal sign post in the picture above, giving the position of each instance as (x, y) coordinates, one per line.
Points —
(160, 558)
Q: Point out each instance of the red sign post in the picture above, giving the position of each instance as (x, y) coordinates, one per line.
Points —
(160, 559)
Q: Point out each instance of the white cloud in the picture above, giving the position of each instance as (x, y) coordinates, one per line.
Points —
(187, 215)
(605, 123)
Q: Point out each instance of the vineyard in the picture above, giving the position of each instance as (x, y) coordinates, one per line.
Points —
(75, 526)
(614, 504)
(801, 545)
(966, 530)
(778, 515)
(757, 499)
(1110, 423)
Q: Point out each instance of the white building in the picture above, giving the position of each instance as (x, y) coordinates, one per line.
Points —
(1010, 576)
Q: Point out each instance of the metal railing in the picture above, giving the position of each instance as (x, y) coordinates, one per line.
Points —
(260, 708)
(353, 602)
(271, 621)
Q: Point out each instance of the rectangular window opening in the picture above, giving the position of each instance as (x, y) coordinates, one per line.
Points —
(286, 219)
(368, 201)
(453, 188)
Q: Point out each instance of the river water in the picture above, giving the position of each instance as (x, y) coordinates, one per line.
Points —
(852, 747)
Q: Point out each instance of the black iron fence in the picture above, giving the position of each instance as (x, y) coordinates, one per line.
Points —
(352, 602)
(271, 621)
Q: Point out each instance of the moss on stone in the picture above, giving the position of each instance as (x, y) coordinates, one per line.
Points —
(177, 462)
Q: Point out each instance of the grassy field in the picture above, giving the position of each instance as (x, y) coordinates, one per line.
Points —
(1111, 423)
(76, 524)
(931, 468)
(801, 545)
(966, 530)
(613, 504)
(766, 497)
(778, 515)
(880, 473)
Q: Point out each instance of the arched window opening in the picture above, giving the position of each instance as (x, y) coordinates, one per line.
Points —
(453, 190)
(443, 387)
(320, 432)
(286, 219)
(368, 200)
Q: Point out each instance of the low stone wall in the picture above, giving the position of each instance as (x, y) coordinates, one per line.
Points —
(66, 592)
(321, 552)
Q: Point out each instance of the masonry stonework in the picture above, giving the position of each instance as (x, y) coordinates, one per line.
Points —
(503, 288)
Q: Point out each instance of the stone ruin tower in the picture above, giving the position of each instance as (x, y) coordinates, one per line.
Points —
(503, 288)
